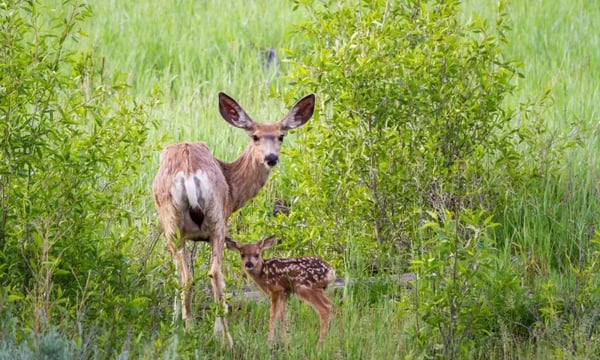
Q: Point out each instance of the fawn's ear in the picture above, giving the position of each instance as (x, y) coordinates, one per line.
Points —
(267, 242)
(232, 244)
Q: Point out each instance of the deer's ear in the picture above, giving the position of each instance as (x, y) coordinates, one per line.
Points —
(300, 113)
(268, 242)
(233, 113)
(232, 244)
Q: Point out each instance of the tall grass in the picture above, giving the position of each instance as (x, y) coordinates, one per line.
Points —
(557, 42)
(190, 50)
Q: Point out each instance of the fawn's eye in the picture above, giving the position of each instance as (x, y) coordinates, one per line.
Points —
(255, 138)
(281, 137)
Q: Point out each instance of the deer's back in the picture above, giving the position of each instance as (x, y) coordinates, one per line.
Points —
(188, 158)
(189, 177)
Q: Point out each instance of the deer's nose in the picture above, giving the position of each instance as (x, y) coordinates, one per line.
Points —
(249, 265)
(271, 160)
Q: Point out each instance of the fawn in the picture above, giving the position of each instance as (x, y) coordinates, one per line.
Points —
(307, 277)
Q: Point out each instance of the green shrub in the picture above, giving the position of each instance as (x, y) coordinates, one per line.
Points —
(466, 292)
(411, 117)
(48, 345)
(414, 128)
(71, 144)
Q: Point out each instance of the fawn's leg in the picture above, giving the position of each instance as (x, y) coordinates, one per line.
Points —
(280, 313)
(319, 301)
(277, 316)
(324, 314)
(273, 316)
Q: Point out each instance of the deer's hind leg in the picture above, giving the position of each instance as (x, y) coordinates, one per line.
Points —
(181, 259)
(217, 241)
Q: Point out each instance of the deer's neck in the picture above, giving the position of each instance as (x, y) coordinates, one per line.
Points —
(245, 177)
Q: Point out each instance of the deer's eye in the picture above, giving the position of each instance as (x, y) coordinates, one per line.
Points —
(255, 137)
(281, 137)
(256, 256)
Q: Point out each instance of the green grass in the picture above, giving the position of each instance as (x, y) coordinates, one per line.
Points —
(556, 41)
(353, 327)
(190, 50)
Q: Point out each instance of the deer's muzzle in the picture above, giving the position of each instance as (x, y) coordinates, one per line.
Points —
(271, 160)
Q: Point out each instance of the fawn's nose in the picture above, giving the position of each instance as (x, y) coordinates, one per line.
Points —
(249, 265)
(271, 160)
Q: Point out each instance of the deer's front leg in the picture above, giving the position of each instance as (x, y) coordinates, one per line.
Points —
(275, 299)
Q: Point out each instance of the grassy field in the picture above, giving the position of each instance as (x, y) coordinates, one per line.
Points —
(187, 51)
(555, 40)
(191, 50)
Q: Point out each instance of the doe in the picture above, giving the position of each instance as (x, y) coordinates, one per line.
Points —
(195, 193)
(307, 277)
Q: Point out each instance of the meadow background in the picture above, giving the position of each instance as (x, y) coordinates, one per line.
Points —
(456, 141)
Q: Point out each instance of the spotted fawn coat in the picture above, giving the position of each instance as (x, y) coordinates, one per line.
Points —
(307, 277)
